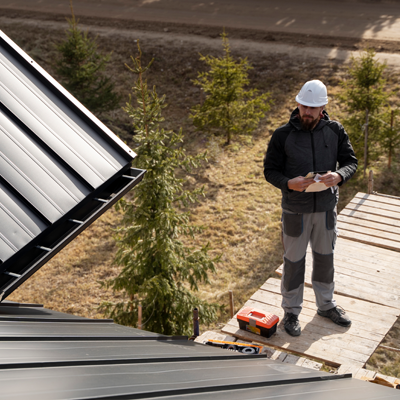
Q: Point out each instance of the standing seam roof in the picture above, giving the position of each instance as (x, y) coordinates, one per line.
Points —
(60, 167)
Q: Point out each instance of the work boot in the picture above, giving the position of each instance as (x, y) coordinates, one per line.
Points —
(337, 315)
(291, 324)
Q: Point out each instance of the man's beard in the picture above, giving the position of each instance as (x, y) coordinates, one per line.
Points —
(308, 123)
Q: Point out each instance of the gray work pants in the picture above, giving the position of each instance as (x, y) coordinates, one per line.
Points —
(318, 229)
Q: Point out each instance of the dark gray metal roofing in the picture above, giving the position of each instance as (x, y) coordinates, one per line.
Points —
(60, 167)
(78, 358)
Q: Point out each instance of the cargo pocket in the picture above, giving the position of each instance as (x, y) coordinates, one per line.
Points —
(330, 219)
(292, 224)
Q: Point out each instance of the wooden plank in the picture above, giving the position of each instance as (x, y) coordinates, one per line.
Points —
(364, 374)
(385, 273)
(374, 202)
(370, 262)
(347, 285)
(387, 281)
(381, 270)
(388, 234)
(367, 269)
(345, 369)
(379, 198)
(271, 353)
(389, 348)
(373, 251)
(316, 333)
(211, 335)
(311, 364)
(355, 306)
(281, 357)
(320, 351)
(360, 310)
(373, 210)
(370, 217)
(323, 326)
(291, 359)
(324, 352)
(302, 362)
(344, 219)
(379, 273)
(390, 381)
(360, 323)
(367, 253)
(359, 237)
(278, 355)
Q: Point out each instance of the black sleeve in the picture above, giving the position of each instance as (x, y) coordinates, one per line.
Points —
(346, 158)
(274, 161)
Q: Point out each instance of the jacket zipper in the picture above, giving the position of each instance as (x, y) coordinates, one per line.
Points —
(313, 156)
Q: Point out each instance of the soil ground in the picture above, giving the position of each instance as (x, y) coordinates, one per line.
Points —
(298, 39)
(240, 210)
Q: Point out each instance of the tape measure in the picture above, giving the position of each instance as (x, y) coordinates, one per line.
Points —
(244, 348)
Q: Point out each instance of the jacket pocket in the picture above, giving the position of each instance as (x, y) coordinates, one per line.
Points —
(292, 224)
(330, 219)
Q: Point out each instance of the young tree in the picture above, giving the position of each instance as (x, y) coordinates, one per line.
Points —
(158, 271)
(364, 96)
(81, 68)
(390, 133)
(228, 108)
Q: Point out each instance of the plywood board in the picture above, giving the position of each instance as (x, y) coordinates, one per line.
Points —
(372, 219)
(367, 269)
(321, 339)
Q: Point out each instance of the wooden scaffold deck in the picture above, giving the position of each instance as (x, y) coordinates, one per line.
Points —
(367, 272)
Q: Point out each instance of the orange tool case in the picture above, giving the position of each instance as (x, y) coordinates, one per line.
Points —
(255, 321)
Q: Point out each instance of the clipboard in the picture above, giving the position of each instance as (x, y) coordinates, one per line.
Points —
(317, 186)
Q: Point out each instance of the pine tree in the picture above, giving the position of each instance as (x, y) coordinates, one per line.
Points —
(228, 108)
(389, 137)
(158, 270)
(364, 96)
(81, 68)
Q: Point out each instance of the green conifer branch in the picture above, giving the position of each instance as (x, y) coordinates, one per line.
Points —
(158, 270)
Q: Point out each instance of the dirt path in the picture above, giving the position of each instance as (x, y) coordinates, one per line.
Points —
(247, 46)
(353, 19)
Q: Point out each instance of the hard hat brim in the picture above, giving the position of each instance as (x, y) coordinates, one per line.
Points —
(307, 104)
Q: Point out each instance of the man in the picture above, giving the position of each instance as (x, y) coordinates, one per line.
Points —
(309, 143)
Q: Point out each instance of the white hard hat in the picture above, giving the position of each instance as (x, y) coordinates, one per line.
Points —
(313, 94)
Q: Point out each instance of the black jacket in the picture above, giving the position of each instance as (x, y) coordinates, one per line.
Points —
(294, 152)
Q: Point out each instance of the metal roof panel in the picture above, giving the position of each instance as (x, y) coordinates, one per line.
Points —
(135, 364)
(60, 167)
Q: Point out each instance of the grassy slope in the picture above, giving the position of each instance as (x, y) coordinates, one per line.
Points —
(241, 212)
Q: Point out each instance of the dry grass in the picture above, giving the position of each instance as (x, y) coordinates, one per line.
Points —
(70, 281)
(240, 213)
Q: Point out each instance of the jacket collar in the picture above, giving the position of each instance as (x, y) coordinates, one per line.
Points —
(295, 120)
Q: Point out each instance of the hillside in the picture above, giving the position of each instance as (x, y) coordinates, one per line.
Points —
(240, 212)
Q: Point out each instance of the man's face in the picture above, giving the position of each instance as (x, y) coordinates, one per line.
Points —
(309, 116)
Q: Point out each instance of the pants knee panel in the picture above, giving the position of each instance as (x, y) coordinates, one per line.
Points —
(322, 268)
(294, 272)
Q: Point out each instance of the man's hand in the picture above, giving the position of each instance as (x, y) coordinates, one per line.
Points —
(330, 179)
(300, 183)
